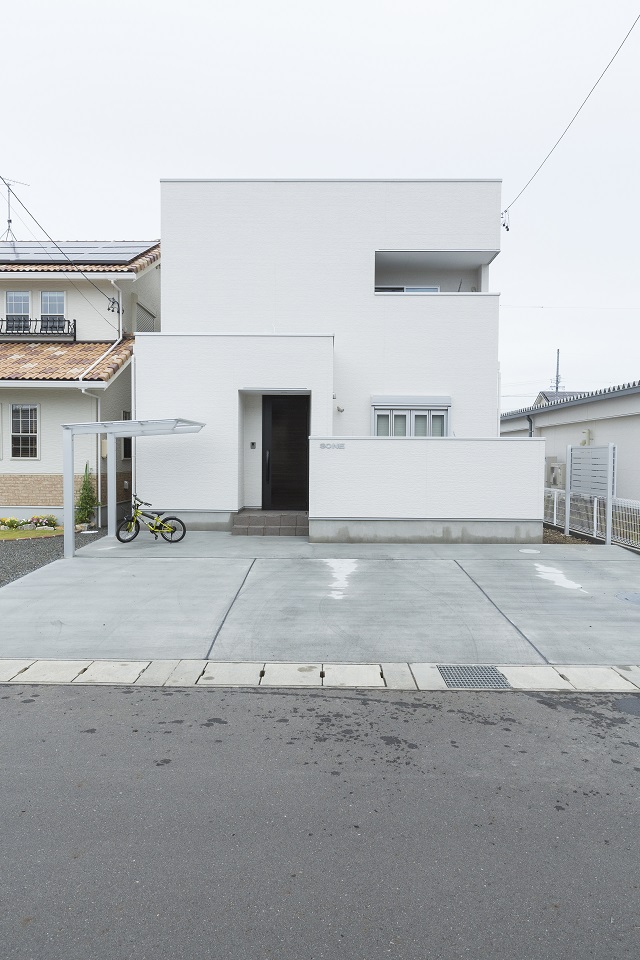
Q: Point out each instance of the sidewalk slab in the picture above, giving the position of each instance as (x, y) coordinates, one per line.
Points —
(157, 673)
(632, 674)
(534, 678)
(352, 675)
(112, 671)
(427, 676)
(398, 676)
(186, 674)
(10, 668)
(231, 674)
(52, 671)
(591, 679)
(292, 675)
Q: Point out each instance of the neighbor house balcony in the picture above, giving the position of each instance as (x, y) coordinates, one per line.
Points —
(45, 327)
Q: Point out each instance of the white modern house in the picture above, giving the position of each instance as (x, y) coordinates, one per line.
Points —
(594, 418)
(339, 339)
(68, 316)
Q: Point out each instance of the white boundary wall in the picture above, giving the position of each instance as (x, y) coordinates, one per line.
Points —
(426, 489)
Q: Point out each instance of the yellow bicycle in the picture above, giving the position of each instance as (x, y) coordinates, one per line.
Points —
(171, 529)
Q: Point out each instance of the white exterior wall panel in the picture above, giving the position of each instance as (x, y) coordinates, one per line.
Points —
(203, 378)
(300, 258)
(420, 478)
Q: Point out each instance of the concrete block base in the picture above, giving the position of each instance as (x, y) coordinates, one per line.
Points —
(425, 531)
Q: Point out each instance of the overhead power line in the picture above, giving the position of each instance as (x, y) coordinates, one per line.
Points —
(111, 300)
(505, 212)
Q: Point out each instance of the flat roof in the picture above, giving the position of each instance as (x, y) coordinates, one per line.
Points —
(331, 180)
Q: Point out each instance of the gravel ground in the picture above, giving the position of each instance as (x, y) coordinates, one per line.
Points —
(551, 535)
(18, 557)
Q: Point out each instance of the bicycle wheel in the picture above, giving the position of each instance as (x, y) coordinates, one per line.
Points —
(128, 531)
(177, 529)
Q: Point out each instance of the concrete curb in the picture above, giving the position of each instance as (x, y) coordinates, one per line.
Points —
(277, 675)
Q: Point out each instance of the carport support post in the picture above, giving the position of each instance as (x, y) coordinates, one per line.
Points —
(68, 493)
(111, 485)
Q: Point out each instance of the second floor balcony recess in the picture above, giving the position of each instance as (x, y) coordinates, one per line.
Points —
(46, 327)
(432, 271)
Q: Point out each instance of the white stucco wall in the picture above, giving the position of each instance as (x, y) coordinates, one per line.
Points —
(426, 478)
(608, 420)
(299, 257)
(55, 406)
(83, 303)
(205, 378)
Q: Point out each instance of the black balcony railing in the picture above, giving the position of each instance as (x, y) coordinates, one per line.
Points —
(46, 326)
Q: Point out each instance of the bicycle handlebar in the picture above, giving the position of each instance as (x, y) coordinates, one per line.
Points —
(144, 503)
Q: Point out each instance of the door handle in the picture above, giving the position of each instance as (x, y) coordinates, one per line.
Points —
(268, 466)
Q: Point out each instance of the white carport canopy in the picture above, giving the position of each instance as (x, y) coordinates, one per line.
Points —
(113, 429)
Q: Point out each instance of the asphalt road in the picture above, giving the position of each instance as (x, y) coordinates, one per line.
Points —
(157, 823)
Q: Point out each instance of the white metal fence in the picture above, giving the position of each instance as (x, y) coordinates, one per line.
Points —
(588, 516)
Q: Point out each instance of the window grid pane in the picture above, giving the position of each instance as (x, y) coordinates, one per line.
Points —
(382, 424)
(17, 303)
(437, 424)
(399, 424)
(24, 430)
(52, 303)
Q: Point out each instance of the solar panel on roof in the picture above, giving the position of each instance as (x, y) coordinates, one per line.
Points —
(78, 251)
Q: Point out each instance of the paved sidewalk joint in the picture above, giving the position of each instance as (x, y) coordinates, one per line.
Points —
(392, 676)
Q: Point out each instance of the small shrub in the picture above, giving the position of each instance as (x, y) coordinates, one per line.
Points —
(87, 500)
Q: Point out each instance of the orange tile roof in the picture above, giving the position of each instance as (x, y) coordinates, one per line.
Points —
(137, 265)
(61, 361)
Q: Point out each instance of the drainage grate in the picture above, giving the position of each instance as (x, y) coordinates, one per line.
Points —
(473, 678)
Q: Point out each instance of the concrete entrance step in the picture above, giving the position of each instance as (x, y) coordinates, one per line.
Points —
(271, 523)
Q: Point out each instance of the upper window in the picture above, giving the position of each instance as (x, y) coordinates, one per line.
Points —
(17, 311)
(24, 431)
(52, 311)
(410, 423)
(411, 416)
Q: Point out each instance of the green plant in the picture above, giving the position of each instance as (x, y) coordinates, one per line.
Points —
(87, 500)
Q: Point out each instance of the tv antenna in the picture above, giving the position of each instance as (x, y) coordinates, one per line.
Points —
(9, 234)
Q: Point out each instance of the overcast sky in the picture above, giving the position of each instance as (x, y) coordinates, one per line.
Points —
(101, 101)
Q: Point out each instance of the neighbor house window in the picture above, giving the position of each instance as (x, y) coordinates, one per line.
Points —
(24, 431)
(411, 419)
(17, 311)
(52, 312)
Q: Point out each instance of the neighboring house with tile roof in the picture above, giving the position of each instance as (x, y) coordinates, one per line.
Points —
(69, 313)
(339, 339)
(594, 418)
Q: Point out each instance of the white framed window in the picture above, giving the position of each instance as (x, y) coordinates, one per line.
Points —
(24, 431)
(52, 311)
(410, 416)
(17, 311)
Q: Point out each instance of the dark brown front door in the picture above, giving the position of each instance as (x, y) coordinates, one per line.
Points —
(285, 453)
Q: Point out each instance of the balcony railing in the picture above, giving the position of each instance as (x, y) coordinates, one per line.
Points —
(48, 326)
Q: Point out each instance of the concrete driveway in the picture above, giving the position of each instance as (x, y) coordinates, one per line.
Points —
(226, 598)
